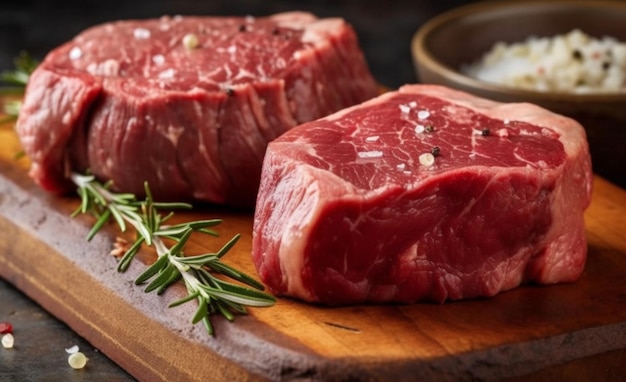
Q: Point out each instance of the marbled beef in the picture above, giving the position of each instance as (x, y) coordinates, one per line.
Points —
(186, 103)
(423, 194)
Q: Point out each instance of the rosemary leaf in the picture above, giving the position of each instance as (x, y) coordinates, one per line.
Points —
(125, 261)
(177, 248)
(117, 215)
(172, 205)
(183, 300)
(175, 276)
(205, 277)
(234, 274)
(204, 223)
(84, 203)
(228, 246)
(243, 296)
(199, 260)
(208, 326)
(152, 270)
(209, 232)
(143, 230)
(202, 311)
(124, 199)
(99, 224)
(197, 226)
(162, 278)
(167, 217)
(224, 309)
(238, 308)
(172, 232)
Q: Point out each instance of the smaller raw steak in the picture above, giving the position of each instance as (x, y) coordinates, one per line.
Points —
(423, 194)
(186, 103)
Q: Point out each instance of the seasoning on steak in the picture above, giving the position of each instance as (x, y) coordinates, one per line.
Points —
(424, 194)
(186, 103)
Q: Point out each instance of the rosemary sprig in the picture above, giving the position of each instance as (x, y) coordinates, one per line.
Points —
(214, 294)
(13, 83)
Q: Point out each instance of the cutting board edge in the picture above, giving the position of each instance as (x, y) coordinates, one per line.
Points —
(315, 364)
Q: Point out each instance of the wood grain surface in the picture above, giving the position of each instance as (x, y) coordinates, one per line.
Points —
(575, 331)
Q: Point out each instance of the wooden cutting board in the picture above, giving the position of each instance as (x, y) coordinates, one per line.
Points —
(567, 332)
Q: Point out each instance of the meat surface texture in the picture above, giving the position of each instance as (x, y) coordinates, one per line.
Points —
(350, 210)
(187, 104)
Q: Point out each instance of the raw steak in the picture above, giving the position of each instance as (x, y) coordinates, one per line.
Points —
(349, 211)
(186, 103)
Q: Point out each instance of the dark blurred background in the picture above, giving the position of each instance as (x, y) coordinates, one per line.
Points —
(385, 27)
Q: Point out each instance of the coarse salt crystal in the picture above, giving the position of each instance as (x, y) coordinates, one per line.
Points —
(401, 166)
(110, 67)
(419, 129)
(373, 138)
(158, 59)
(407, 172)
(427, 159)
(232, 49)
(75, 53)
(477, 132)
(169, 73)
(405, 109)
(72, 350)
(412, 104)
(370, 154)
(8, 341)
(423, 114)
(141, 33)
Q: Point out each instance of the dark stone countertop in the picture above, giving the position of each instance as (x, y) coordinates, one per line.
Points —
(40, 342)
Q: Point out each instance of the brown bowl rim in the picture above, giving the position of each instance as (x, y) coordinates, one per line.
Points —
(424, 57)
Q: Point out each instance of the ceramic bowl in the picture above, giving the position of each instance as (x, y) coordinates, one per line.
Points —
(461, 36)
